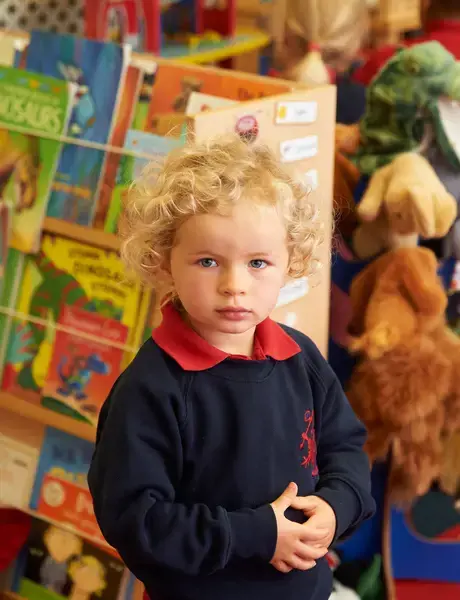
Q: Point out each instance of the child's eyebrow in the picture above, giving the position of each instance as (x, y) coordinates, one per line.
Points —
(254, 254)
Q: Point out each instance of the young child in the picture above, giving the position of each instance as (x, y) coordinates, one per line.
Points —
(228, 459)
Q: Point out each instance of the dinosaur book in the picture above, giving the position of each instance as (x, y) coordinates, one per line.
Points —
(63, 273)
(83, 369)
(37, 105)
(98, 70)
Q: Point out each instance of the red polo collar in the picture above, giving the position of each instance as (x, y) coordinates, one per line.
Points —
(193, 353)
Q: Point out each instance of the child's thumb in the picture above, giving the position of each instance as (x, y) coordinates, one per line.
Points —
(287, 497)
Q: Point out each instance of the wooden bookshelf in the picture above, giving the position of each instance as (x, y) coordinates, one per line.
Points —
(86, 235)
(39, 414)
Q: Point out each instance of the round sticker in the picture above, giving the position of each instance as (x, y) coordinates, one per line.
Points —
(247, 128)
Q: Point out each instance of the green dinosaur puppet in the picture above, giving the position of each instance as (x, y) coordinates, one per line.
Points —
(402, 109)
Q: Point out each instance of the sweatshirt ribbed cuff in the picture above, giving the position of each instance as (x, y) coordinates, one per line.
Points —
(253, 533)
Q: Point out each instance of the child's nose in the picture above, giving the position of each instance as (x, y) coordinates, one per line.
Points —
(234, 282)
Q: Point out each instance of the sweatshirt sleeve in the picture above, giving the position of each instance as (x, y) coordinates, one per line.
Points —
(135, 472)
(344, 470)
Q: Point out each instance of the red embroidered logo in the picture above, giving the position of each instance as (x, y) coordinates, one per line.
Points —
(308, 443)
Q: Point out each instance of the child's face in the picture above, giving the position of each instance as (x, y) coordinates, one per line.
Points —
(61, 544)
(223, 263)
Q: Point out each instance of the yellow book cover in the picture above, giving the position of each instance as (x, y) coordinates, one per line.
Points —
(64, 272)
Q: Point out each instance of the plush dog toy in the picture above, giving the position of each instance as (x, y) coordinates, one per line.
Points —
(405, 198)
(406, 387)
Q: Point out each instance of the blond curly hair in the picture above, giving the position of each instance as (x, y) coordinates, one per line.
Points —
(211, 177)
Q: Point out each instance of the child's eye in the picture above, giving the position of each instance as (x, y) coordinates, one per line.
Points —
(258, 263)
(207, 262)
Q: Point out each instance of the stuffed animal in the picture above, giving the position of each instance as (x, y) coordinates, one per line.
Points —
(405, 197)
(450, 475)
(406, 387)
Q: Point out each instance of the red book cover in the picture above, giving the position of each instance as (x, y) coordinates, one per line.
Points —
(66, 502)
(83, 369)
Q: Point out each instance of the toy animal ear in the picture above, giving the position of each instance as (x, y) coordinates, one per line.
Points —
(446, 214)
(372, 201)
(423, 213)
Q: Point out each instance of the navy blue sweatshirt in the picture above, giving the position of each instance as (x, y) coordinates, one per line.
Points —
(192, 447)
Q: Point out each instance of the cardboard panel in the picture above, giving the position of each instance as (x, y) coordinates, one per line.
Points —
(299, 128)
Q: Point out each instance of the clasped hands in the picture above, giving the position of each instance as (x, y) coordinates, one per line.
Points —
(299, 546)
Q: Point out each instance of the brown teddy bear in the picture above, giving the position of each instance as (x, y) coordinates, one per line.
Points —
(406, 387)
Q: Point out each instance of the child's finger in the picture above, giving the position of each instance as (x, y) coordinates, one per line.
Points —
(305, 503)
(281, 566)
(314, 531)
(301, 564)
(307, 552)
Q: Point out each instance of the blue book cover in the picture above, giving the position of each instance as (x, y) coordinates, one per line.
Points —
(97, 69)
(62, 455)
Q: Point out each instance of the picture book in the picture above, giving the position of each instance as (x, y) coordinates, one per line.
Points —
(60, 490)
(64, 272)
(98, 70)
(59, 564)
(5, 234)
(7, 50)
(198, 102)
(149, 145)
(83, 369)
(174, 83)
(141, 109)
(8, 298)
(122, 122)
(18, 463)
(35, 104)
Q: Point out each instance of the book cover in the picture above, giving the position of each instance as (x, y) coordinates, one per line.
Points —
(64, 272)
(37, 104)
(8, 298)
(7, 50)
(97, 69)
(58, 564)
(60, 490)
(18, 463)
(61, 455)
(175, 83)
(122, 122)
(154, 148)
(5, 233)
(83, 370)
(199, 102)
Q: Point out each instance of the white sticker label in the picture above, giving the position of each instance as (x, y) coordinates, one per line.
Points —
(298, 149)
(296, 113)
(311, 179)
(295, 289)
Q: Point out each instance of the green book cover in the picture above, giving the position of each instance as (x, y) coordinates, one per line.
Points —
(14, 269)
(36, 104)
